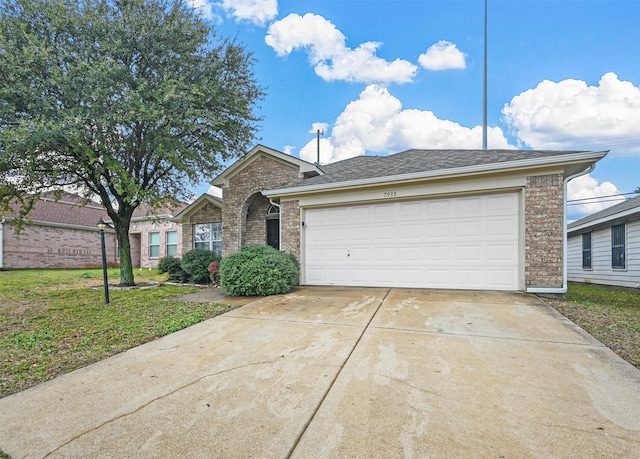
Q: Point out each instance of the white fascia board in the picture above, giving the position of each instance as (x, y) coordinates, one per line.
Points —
(445, 173)
(603, 220)
(222, 180)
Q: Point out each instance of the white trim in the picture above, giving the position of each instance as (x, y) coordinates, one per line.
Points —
(603, 220)
(444, 173)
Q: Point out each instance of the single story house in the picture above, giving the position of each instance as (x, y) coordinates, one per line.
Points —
(201, 224)
(154, 234)
(459, 219)
(604, 248)
(58, 234)
(63, 234)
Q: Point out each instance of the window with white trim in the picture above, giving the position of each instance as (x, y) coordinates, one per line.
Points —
(618, 237)
(171, 243)
(208, 236)
(154, 245)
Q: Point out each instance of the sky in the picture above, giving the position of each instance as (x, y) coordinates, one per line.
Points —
(378, 77)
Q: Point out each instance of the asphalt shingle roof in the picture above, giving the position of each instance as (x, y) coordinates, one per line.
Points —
(414, 161)
(629, 204)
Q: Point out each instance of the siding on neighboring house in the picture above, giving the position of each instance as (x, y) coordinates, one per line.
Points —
(601, 271)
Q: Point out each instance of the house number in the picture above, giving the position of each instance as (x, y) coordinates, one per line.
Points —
(390, 194)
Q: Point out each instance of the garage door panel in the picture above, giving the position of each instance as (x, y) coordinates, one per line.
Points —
(469, 242)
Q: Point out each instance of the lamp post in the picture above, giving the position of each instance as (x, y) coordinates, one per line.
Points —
(101, 226)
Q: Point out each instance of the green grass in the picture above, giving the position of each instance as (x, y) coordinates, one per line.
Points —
(55, 321)
(611, 315)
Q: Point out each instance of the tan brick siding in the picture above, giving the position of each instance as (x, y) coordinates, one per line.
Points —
(544, 227)
(41, 247)
(242, 223)
(208, 213)
(141, 230)
(291, 228)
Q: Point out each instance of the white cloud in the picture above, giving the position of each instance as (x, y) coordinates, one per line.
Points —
(328, 53)
(288, 149)
(572, 115)
(258, 12)
(376, 122)
(443, 55)
(322, 127)
(204, 8)
(585, 187)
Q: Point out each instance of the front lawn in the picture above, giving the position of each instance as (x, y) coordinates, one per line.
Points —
(52, 321)
(611, 315)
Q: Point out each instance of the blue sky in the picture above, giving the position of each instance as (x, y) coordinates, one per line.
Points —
(382, 76)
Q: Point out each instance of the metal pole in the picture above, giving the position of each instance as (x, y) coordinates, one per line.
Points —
(484, 88)
(105, 276)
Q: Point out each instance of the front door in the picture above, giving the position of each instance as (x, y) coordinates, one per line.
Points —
(273, 233)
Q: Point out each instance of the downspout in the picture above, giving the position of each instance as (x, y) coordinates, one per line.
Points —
(2, 243)
(563, 289)
(279, 223)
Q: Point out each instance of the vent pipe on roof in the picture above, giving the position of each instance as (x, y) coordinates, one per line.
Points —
(318, 142)
(484, 86)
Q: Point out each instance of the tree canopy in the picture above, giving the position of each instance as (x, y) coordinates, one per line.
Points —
(129, 100)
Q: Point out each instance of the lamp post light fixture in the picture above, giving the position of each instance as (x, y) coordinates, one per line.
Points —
(101, 226)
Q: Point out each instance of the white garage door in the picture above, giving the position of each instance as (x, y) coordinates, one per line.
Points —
(457, 243)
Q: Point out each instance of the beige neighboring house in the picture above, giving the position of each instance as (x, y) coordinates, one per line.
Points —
(154, 235)
(58, 234)
(451, 219)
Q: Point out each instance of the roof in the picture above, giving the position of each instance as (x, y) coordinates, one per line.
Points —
(144, 211)
(416, 164)
(203, 199)
(305, 168)
(67, 211)
(624, 209)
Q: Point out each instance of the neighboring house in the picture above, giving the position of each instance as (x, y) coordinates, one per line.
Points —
(604, 248)
(154, 234)
(459, 219)
(201, 224)
(58, 234)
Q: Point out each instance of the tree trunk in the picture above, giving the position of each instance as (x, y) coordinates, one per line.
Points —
(126, 266)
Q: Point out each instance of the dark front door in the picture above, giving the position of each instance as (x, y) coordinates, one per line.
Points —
(273, 233)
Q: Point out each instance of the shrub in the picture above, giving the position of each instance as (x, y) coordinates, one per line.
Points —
(258, 270)
(173, 266)
(196, 263)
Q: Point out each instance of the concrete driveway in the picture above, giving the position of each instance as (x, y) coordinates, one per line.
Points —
(337, 372)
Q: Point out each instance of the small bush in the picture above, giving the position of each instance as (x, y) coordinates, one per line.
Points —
(196, 263)
(173, 266)
(169, 264)
(258, 270)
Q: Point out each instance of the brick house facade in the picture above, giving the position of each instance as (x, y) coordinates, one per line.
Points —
(58, 234)
(266, 184)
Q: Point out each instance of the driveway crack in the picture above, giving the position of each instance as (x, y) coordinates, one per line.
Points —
(338, 373)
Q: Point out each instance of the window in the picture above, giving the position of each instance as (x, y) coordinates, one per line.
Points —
(208, 236)
(586, 251)
(154, 245)
(172, 243)
(618, 246)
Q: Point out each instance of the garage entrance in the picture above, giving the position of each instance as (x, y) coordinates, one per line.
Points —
(466, 242)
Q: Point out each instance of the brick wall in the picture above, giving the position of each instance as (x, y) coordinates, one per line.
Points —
(141, 229)
(291, 228)
(544, 228)
(208, 213)
(39, 246)
(244, 188)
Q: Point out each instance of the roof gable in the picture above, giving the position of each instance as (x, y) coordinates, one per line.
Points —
(196, 205)
(305, 169)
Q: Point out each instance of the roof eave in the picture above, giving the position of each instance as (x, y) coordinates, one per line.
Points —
(580, 161)
(604, 220)
(222, 180)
